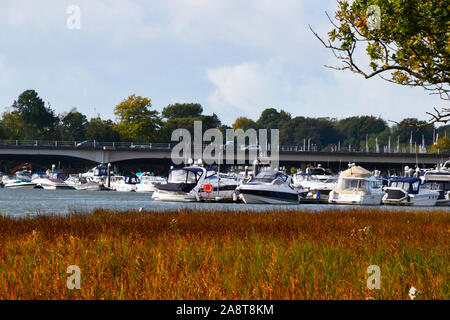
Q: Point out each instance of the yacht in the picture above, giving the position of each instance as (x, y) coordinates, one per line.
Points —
(410, 192)
(148, 182)
(125, 183)
(82, 183)
(268, 187)
(54, 180)
(195, 183)
(439, 180)
(358, 186)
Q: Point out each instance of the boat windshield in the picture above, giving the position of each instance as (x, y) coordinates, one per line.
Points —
(24, 176)
(318, 171)
(101, 171)
(439, 186)
(184, 176)
(83, 180)
(268, 177)
(408, 186)
(353, 184)
(377, 184)
(131, 180)
(307, 177)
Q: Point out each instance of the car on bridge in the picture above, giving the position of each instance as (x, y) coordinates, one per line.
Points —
(88, 144)
(141, 146)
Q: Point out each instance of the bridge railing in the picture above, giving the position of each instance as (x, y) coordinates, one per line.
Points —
(92, 144)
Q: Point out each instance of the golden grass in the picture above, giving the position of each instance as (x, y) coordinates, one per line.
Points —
(226, 255)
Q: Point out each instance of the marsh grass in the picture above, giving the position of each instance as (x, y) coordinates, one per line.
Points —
(188, 254)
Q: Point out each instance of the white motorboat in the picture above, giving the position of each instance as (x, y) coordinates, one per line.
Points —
(195, 183)
(99, 174)
(314, 188)
(357, 186)
(268, 187)
(439, 180)
(125, 183)
(319, 172)
(82, 183)
(21, 180)
(410, 192)
(148, 182)
(54, 180)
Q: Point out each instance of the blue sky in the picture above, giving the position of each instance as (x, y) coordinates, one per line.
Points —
(236, 58)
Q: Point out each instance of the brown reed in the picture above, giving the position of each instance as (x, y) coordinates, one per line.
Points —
(189, 254)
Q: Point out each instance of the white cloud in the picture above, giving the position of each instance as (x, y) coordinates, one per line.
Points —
(246, 88)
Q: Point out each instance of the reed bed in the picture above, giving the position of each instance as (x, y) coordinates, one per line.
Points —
(188, 254)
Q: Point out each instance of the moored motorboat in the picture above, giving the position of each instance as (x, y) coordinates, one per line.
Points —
(357, 186)
(15, 183)
(312, 188)
(125, 183)
(268, 187)
(54, 181)
(82, 183)
(409, 192)
(148, 182)
(438, 179)
(195, 183)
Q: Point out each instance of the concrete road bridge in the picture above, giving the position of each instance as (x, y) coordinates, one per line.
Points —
(112, 152)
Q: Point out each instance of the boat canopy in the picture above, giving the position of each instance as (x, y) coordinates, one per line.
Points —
(405, 179)
(411, 185)
(356, 172)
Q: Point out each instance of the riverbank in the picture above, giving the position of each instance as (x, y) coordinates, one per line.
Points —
(185, 254)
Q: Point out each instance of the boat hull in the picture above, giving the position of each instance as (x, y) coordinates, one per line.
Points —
(20, 185)
(355, 199)
(173, 197)
(416, 201)
(268, 197)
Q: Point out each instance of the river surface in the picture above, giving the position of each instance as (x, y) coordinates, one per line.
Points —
(21, 202)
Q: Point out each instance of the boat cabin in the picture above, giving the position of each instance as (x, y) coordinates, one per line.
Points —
(410, 185)
(131, 179)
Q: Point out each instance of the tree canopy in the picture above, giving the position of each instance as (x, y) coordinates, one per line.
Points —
(37, 119)
(406, 41)
(272, 119)
(136, 120)
(182, 110)
(244, 124)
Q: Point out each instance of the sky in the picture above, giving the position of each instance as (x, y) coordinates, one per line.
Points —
(234, 57)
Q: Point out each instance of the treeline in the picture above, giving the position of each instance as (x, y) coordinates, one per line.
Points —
(29, 118)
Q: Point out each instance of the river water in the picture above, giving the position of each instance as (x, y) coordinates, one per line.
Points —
(21, 202)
